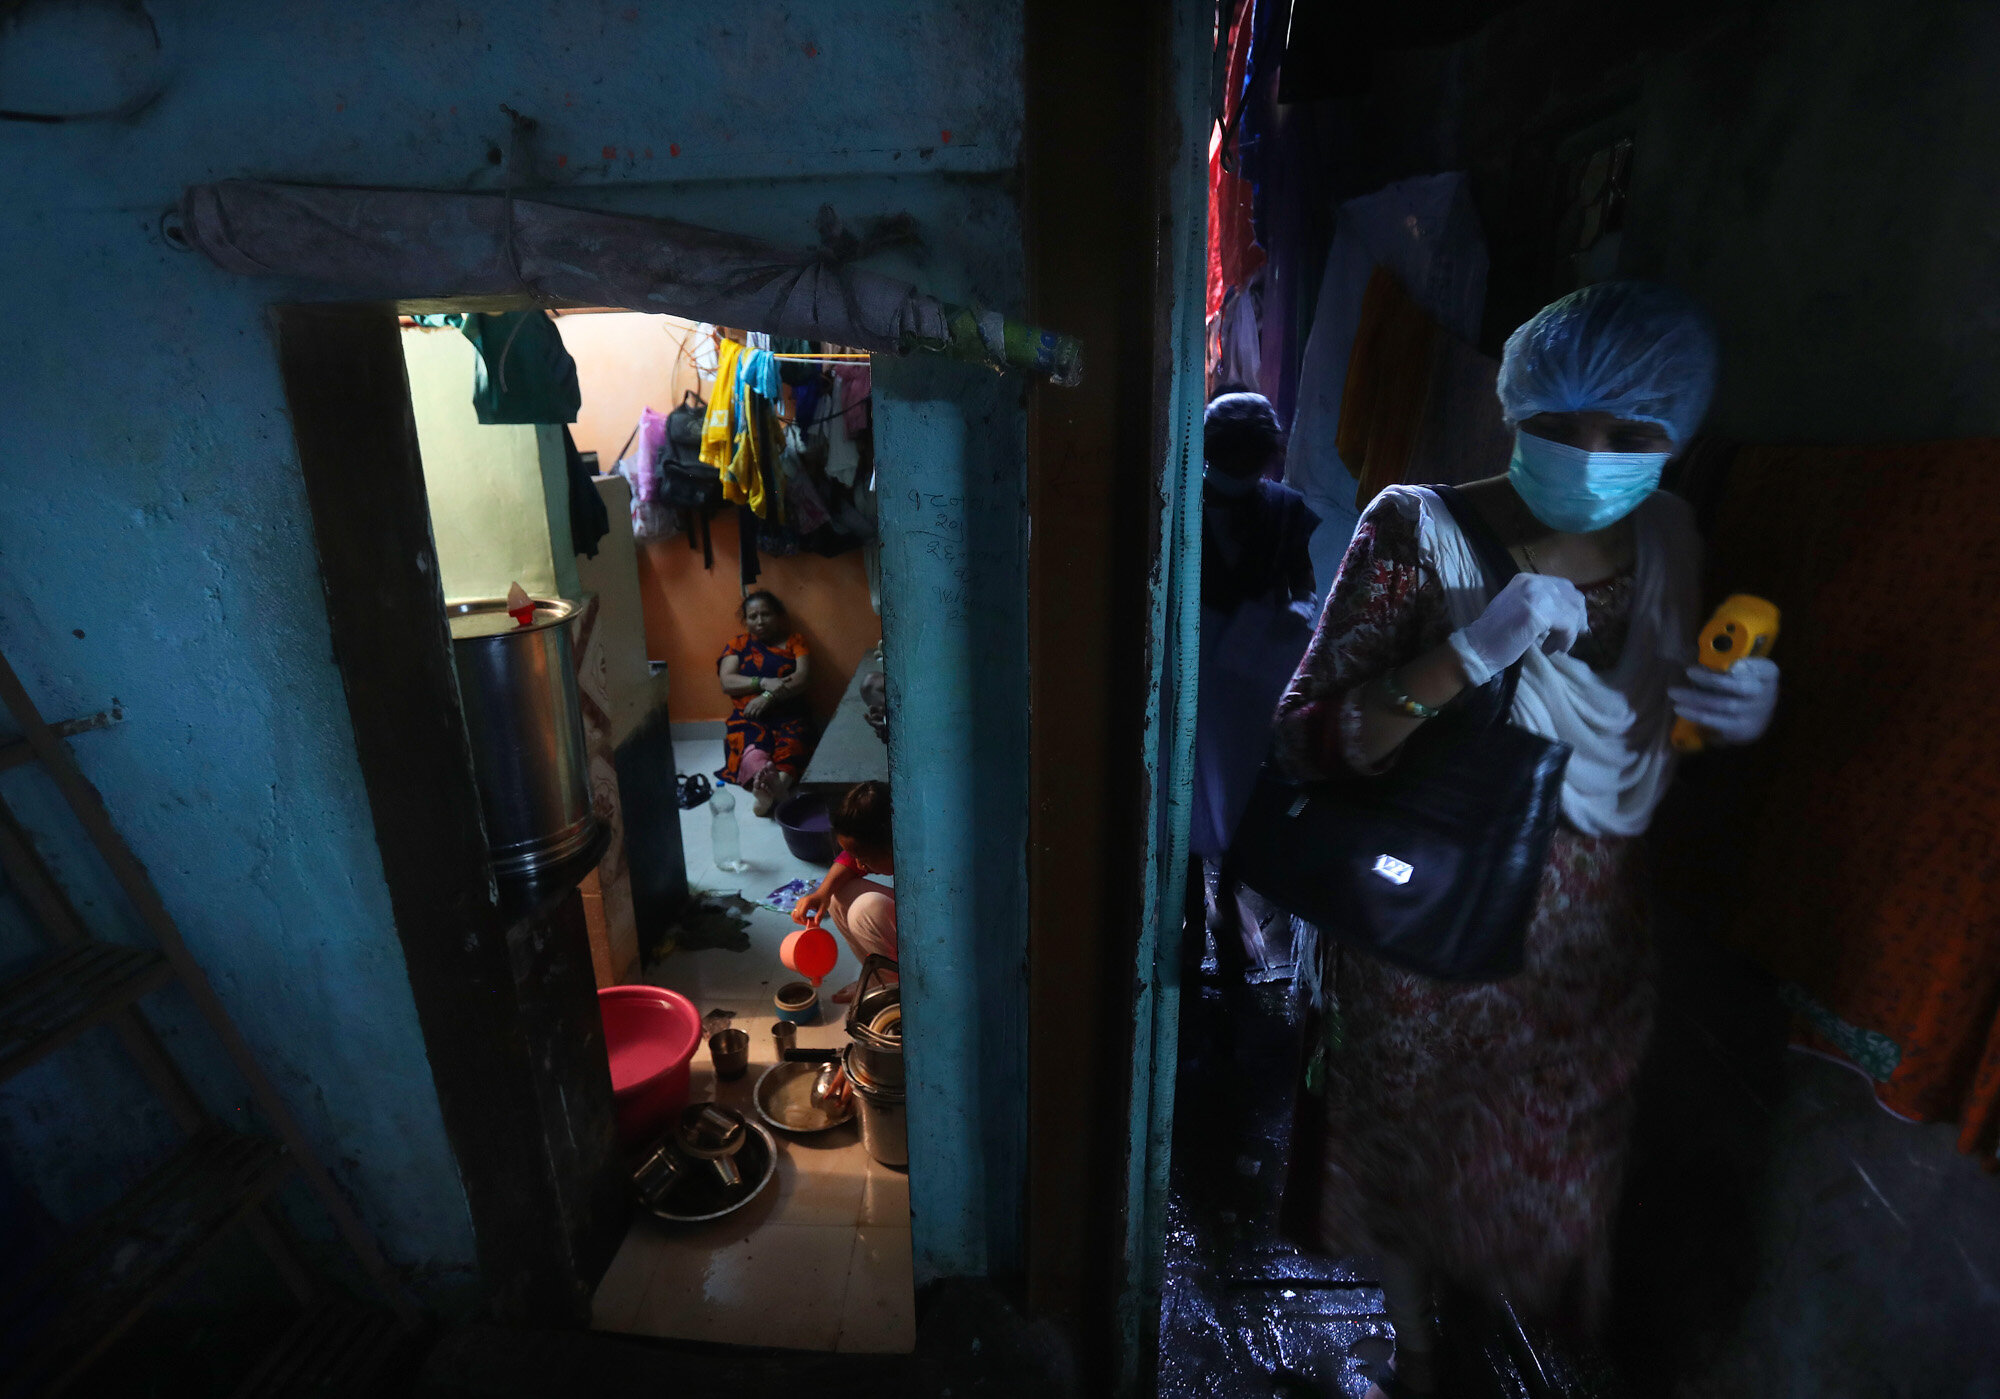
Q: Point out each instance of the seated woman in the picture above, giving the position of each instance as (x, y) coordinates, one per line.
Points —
(764, 674)
(863, 912)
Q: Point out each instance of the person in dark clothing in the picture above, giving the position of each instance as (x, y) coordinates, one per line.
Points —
(1254, 529)
(1257, 609)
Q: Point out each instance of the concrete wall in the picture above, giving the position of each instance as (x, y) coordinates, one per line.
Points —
(488, 486)
(954, 492)
(156, 548)
(625, 361)
(1820, 176)
(1825, 180)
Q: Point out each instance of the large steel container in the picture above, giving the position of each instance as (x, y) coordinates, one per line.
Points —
(517, 686)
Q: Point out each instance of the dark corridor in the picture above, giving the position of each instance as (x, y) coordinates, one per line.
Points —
(1781, 1235)
(1247, 1313)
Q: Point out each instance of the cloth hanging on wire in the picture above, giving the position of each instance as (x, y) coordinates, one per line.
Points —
(589, 521)
(1235, 357)
(805, 507)
(423, 243)
(805, 399)
(856, 384)
(1419, 405)
(1426, 231)
(757, 372)
(843, 453)
(749, 478)
(718, 434)
(523, 374)
(747, 527)
(1233, 252)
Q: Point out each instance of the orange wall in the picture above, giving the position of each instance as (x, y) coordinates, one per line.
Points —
(627, 361)
(691, 615)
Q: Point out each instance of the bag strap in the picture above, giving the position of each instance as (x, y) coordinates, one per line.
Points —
(1494, 561)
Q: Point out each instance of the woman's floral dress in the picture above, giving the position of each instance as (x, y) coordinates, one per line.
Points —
(1477, 1129)
(781, 732)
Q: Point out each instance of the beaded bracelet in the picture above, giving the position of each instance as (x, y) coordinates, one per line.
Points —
(1401, 700)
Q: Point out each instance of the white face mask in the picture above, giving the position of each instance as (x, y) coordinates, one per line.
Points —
(1576, 491)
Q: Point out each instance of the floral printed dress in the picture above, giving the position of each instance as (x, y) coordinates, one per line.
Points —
(782, 733)
(1476, 1129)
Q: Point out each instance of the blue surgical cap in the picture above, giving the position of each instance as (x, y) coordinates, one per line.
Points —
(1636, 349)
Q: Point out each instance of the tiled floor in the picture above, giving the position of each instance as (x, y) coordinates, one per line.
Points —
(821, 1259)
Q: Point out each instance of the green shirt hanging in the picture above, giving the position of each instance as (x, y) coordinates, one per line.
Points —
(524, 375)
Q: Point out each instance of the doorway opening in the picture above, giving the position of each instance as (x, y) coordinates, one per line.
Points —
(705, 865)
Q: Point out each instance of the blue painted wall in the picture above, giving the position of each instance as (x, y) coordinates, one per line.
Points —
(950, 443)
(155, 548)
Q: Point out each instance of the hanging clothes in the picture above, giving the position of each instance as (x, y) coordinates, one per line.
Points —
(757, 372)
(805, 507)
(746, 545)
(806, 398)
(523, 374)
(843, 454)
(1426, 231)
(748, 479)
(1237, 357)
(1419, 406)
(641, 467)
(718, 437)
(1388, 377)
(589, 521)
(1233, 253)
(700, 349)
(794, 372)
(855, 386)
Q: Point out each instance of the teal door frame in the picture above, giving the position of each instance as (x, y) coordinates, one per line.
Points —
(1174, 627)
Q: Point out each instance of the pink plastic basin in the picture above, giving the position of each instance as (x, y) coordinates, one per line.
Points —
(651, 1034)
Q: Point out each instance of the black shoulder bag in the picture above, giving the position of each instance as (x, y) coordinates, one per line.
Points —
(685, 480)
(1435, 864)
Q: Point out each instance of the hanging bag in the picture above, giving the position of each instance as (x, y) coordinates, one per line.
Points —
(1435, 864)
(685, 480)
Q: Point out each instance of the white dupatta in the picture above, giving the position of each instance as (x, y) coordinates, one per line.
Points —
(1617, 722)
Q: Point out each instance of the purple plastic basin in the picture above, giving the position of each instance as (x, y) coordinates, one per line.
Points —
(808, 827)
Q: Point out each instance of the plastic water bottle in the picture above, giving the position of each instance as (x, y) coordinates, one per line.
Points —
(725, 839)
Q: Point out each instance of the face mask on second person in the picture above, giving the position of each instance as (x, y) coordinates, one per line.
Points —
(1576, 491)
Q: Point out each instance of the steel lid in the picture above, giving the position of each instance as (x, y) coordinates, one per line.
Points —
(487, 617)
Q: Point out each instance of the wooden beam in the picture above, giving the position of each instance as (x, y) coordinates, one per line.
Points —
(20, 751)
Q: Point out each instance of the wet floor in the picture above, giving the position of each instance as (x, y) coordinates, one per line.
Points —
(1245, 1312)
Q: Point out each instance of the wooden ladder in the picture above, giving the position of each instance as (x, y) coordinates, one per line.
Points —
(67, 1310)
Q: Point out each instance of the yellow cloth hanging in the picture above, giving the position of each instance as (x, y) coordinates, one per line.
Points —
(746, 480)
(717, 441)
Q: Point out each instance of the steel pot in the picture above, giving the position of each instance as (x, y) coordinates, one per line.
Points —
(517, 688)
(876, 1031)
(885, 1128)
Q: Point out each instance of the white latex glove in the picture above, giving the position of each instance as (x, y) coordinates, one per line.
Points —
(1734, 705)
(1532, 610)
